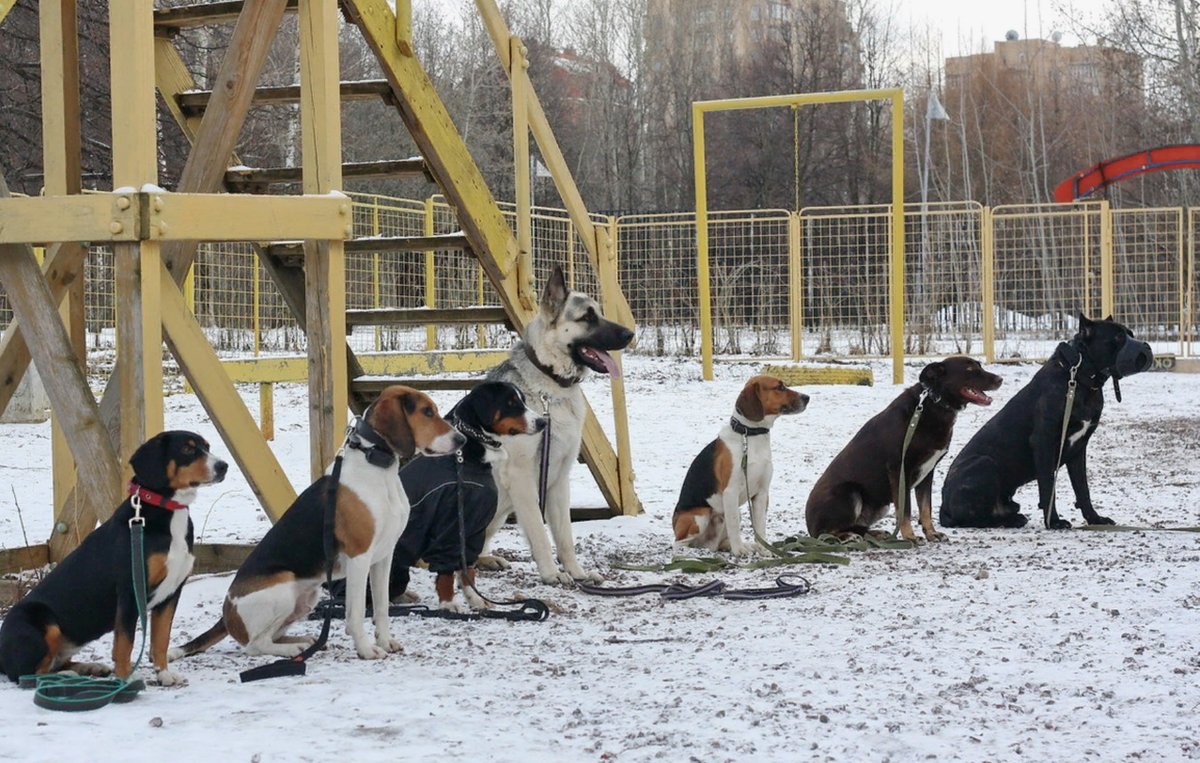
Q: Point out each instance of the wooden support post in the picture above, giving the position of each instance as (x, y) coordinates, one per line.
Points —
(430, 279)
(404, 30)
(135, 160)
(59, 36)
(325, 265)
(266, 410)
(521, 88)
(606, 247)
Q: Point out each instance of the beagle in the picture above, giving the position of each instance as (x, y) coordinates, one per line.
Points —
(733, 469)
(280, 581)
(91, 592)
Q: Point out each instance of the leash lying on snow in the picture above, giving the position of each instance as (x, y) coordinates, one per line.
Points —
(786, 585)
(531, 610)
(56, 691)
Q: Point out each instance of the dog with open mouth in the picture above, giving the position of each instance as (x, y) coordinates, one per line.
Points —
(864, 478)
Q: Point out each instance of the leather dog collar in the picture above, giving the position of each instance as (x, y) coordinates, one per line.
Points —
(746, 431)
(561, 381)
(937, 400)
(145, 495)
(1093, 377)
(364, 437)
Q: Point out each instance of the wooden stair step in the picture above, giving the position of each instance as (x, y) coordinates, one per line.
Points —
(420, 316)
(194, 102)
(292, 252)
(257, 180)
(370, 388)
(168, 20)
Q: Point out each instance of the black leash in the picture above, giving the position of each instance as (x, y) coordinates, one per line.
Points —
(296, 666)
(544, 468)
(786, 585)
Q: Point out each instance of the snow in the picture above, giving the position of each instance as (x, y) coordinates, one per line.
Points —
(152, 188)
(998, 645)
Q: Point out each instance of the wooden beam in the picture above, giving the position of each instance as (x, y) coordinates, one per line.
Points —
(135, 164)
(239, 432)
(325, 265)
(295, 368)
(63, 376)
(13, 560)
(404, 30)
(521, 91)
(203, 14)
(91, 217)
(214, 558)
(372, 387)
(292, 252)
(393, 168)
(218, 131)
(197, 101)
(417, 316)
(193, 217)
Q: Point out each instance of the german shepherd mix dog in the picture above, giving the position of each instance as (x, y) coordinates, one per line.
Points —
(90, 593)
(864, 478)
(567, 339)
(1022, 442)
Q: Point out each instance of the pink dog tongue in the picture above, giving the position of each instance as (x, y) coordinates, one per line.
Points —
(610, 365)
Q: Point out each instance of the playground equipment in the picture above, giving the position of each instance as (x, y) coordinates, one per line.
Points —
(155, 235)
(1109, 171)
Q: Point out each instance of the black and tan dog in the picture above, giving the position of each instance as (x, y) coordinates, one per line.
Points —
(1022, 441)
(440, 488)
(864, 479)
(280, 581)
(91, 592)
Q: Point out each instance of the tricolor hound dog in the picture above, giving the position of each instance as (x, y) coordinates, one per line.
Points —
(91, 592)
(733, 469)
(280, 581)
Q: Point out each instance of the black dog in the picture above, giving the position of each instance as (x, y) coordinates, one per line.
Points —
(90, 593)
(1023, 441)
(438, 488)
(863, 479)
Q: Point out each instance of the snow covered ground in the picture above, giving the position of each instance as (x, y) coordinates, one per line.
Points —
(996, 646)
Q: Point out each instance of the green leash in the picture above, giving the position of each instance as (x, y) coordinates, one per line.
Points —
(1062, 441)
(55, 691)
(902, 492)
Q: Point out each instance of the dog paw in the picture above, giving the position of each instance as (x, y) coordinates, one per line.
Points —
(408, 597)
(1096, 519)
(587, 576)
(93, 669)
(170, 678)
(389, 645)
(453, 606)
(935, 536)
(556, 577)
(1057, 523)
(492, 563)
(371, 651)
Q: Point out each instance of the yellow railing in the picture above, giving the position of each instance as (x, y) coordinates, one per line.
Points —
(1005, 283)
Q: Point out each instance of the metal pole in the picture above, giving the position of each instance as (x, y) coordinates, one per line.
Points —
(702, 277)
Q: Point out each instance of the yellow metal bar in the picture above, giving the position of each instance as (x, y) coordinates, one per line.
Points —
(430, 279)
(375, 287)
(605, 247)
(294, 368)
(1181, 275)
(768, 101)
(702, 277)
(1106, 261)
(256, 306)
(189, 299)
(571, 254)
(521, 87)
(266, 410)
(1191, 277)
(897, 248)
(795, 286)
(988, 285)
(480, 329)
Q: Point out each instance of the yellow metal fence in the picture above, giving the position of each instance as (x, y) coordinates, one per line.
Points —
(1004, 282)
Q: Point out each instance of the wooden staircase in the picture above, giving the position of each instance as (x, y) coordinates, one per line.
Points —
(444, 160)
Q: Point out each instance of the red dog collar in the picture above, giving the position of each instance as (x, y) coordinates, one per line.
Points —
(154, 499)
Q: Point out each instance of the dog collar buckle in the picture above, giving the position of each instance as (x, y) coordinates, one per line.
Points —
(746, 431)
(139, 495)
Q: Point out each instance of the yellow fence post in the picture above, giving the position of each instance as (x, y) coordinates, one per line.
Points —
(795, 286)
(256, 297)
(375, 271)
(1181, 274)
(1106, 261)
(266, 410)
(897, 248)
(988, 286)
(703, 284)
(189, 298)
(430, 283)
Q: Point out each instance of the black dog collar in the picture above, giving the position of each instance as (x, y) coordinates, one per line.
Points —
(1063, 356)
(473, 433)
(364, 437)
(561, 381)
(746, 431)
(937, 400)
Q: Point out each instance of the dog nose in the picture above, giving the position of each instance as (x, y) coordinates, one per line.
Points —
(219, 470)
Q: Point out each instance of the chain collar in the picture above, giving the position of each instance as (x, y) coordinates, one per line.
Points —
(562, 381)
(483, 438)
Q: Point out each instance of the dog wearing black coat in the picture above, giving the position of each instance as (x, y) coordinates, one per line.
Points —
(1024, 440)
(91, 592)
(437, 486)
(856, 489)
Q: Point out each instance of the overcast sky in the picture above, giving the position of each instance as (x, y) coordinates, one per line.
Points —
(964, 24)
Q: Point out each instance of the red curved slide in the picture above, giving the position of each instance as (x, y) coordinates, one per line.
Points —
(1111, 170)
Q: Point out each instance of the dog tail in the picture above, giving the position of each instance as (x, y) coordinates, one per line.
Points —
(201, 642)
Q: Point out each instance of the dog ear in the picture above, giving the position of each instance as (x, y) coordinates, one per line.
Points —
(389, 416)
(748, 403)
(933, 373)
(554, 296)
(1109, 318)
(1086, 327)
(150, 460)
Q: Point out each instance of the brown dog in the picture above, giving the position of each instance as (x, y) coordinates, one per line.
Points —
(717, 482)
(864, 478)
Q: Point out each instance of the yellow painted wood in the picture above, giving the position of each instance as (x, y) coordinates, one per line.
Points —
(430, 278)
(897, 248)
(266, 411)
(445, 153)
(702, 271)
(35, 306)
(404, 30)
(135, 139)
(14, 560)
(294, 369)
(809, 375)
(240, 433)
(325, 265)
(61, 152)
(989, 287)
(630, 505)
(5, 7)
(173, 78)
(519, 76)
(1106, 261)
(92, 217)
(226, 217)
(795, 285)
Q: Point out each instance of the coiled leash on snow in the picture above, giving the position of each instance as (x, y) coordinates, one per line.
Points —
(786, 585)
(56, 691)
